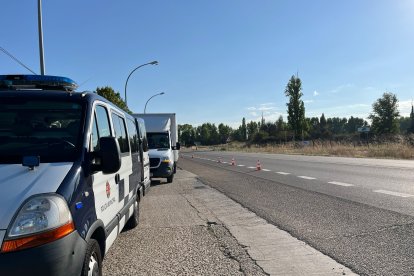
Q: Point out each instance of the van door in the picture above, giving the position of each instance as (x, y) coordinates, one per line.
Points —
(122, 177)
(104, 186)
(136, 154)
(145, 155)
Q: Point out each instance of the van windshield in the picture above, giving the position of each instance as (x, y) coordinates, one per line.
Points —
(158, 141)
(49, 129)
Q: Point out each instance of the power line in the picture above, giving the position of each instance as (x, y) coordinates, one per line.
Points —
(15, 59)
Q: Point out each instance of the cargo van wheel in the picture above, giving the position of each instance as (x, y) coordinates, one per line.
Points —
(134, 219)
(170, 178)
(175, 167)
(92, 264)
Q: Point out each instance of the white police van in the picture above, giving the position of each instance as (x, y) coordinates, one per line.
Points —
(70, 176)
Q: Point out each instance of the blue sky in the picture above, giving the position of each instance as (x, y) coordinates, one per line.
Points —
(219, 60)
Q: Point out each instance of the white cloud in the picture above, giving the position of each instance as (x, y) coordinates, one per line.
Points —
(308, 101)
(341, 87)
(360, 105)
(315, 93)
(268, 116)
(253, 114)
(263, 108)
(405, 108)
(267, 104)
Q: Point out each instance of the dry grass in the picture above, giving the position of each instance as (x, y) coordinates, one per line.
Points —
(386, 150)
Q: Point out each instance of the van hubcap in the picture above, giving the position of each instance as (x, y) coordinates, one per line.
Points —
(93, 266)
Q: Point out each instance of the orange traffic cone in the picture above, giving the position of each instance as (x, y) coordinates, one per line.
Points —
(219, 160)
(233, 162)
(258, 166)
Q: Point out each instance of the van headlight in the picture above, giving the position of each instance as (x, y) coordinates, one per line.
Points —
(166, 160)
(41, 219)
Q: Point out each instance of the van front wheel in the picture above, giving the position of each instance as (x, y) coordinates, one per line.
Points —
(170, 178)
(92, 264)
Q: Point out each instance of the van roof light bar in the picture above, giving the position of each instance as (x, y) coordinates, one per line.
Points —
(40, 82)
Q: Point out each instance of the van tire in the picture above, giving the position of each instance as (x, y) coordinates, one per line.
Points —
(175, 167)
(170, 178)
(93, 259)
(133, 221)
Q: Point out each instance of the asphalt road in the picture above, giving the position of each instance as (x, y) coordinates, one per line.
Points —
(358, 211)
(387, 184)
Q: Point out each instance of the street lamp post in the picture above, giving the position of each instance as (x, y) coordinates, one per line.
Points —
(145, 108)
(126, 83)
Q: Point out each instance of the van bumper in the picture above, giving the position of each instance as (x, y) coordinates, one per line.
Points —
(163, 170)
(61, 257)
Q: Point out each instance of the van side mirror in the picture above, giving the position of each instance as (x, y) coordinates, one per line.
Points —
(109, 153)
(177, 146)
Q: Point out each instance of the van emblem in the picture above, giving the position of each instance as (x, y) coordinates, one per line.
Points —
(108, 189)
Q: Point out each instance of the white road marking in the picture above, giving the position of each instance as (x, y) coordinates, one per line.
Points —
(225, 162)
(240, 165)
(266, 170)
(393, 193)
(306, 177)
(251, 167)
(283, 173)
(341, 184)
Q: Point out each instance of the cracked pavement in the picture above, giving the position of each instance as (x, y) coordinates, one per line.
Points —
(177, 236)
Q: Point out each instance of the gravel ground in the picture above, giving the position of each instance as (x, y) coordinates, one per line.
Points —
(175, 238)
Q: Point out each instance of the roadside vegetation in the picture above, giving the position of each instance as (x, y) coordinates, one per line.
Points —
(391, 150)
(388, 136)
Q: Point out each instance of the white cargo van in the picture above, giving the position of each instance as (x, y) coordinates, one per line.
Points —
(70, 176)
(163, 143)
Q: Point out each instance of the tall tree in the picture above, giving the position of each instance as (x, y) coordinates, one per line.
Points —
(243, 130)
(252, 129)
(323, 123)
(315, 129)
(296, 107)
(224, 133)
(353, 124)
(186, 134)
(280, 123)
(411, 129)
(385, 114)
(112, 96)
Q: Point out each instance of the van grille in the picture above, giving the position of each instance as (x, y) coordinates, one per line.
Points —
(154, 162)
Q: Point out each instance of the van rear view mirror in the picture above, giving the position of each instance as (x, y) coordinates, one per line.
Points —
(31, 161)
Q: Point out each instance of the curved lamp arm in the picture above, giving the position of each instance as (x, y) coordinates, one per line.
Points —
(162, 93)
(126, 83)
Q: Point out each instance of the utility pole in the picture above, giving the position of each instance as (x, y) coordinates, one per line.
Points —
(39, 16)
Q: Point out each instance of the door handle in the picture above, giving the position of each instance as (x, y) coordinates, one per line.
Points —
(117, 178)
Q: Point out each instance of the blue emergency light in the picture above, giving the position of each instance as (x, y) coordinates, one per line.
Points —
(42, 82)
